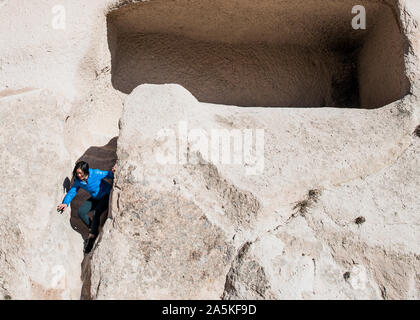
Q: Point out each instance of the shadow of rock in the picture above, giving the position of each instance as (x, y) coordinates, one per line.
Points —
(98, 158)
(66, 184)
(314, 65)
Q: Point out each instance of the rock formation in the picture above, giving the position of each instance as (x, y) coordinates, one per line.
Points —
(288, 233)
(39, 252)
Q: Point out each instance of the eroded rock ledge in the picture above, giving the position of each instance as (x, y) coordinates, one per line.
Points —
(203, 230)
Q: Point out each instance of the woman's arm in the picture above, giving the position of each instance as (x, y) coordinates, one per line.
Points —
(71, 194)
(107, 174)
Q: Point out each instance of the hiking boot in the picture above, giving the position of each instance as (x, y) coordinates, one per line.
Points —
(88, 245)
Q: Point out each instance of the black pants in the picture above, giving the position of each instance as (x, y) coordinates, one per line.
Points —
(98, 206)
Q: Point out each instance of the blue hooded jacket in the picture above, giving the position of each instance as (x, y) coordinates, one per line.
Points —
(94, 185)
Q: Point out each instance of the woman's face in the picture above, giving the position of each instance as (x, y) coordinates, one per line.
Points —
(80, 174)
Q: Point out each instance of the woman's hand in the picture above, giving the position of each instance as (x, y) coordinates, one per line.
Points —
(114, 168)
(61, 207)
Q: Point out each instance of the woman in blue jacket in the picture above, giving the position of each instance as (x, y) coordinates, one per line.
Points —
(92, 181)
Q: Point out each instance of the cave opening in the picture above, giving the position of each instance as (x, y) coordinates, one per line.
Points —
(301, 53)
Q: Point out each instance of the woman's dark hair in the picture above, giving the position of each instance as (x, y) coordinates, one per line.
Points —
(82, 166)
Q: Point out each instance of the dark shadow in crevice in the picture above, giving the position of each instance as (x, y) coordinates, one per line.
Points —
(98, 158)
(102, 158)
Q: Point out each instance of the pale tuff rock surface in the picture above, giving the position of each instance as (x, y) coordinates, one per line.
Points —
(323, 253)
(289, 232)
(171, 245)
(331, 210)
(39, 252)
